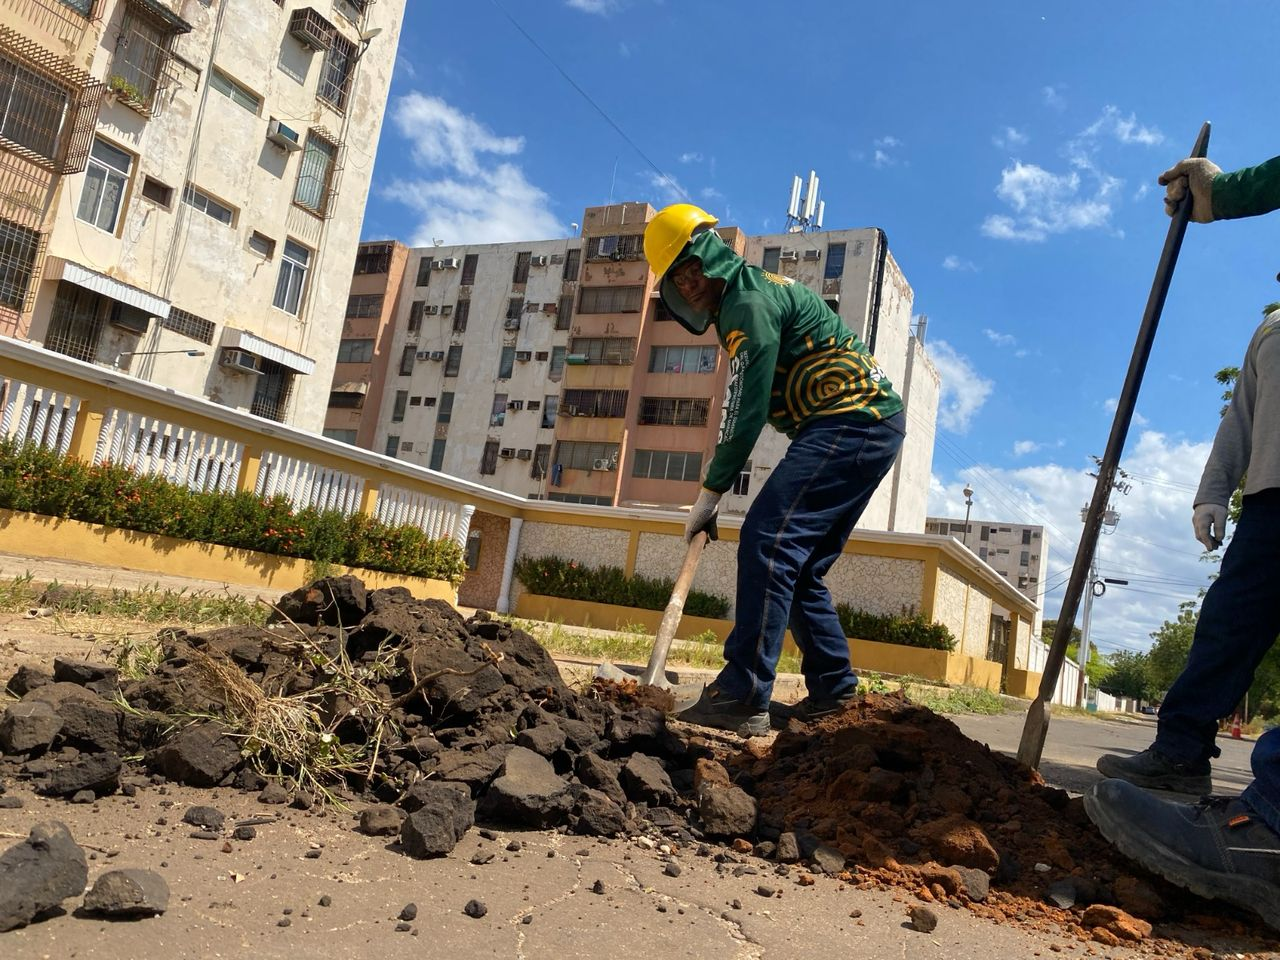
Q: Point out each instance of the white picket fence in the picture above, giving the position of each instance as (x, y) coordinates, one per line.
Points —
(1068, 679)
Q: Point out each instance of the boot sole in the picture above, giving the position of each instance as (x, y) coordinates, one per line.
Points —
(1261, 897)
(1190, 785)
(753, 727)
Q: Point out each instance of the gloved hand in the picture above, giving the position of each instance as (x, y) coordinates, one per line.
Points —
(1195, 173)
(702, 515)
(1209, 520)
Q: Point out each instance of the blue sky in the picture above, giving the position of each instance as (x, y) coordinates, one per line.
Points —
(1008, 149)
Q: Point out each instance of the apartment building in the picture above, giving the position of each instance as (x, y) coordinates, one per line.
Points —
(1019, 552)
(184, 186)
(549, 369)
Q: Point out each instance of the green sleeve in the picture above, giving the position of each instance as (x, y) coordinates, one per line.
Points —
(749, 327)
(1248, 192)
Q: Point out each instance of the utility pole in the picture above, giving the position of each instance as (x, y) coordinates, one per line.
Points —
(1082, 687)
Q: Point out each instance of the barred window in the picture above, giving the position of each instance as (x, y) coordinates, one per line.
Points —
(584, 455)
(453, 361)
(315, 188)
(515, 307)
(469, 264)
(667, 465)
(444, 412)
(674, 411)
(424, 272)
(541, 456)
(595, 350)
(556, 368)
(694, 359)
(399, 405)
(32, 109)
(144, 49)
(355, 351)
(437, 454)
(611, 300)
(521, 272)
(461, 313)
(335, 76)
(629, 247)
(189, 325)
(415, 315)
(373, 258)
(364, 305)
(406, 361)
(506, 363)
(489, 459)
(564, 312)
(594, 403)
(19, 248)
(572, 260)
(834, 267)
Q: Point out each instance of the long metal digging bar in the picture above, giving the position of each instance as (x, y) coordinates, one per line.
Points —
(655, 673)
(1036, 727)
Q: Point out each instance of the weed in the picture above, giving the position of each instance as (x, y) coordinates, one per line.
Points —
(957, 700)
(148, 604)
(138, 658)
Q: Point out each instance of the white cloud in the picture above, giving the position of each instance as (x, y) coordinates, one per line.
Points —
(882, 159)
(1010, 138)
(1046, 203)
(887, 141)
(624, 49)
(882, 155)
(461, 196)
(667, 188)
(1022, 447)
(601, 7)
(710, 193)
(1124, 129)
(964, 390)
(958, 264)
(1053, 97)
(691, 157)
(1152, 546)
(1000, 339)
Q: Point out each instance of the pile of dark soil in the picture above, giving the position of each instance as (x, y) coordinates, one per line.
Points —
(913, 803)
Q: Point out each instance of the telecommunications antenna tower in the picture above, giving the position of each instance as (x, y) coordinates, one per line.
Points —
(805, 215)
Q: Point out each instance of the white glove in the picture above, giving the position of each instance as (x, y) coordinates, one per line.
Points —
(1209, 520)
(702, 516)
(1196, 174)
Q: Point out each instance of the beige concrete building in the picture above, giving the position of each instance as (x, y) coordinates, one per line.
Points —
(185, 185)
(549, 370)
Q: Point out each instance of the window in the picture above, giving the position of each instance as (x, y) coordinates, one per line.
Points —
(210, 207)
(272, 391)
(82, 7)
(1026, 537)
(346, 399)
(556, 370)
(314, 190)
(489, 459)
(399, 405)
(406, 361)
(611, 300)
(437, 454)
(415, 315)
(770, 260)
(583, 455)
(674, 411)
(461, 312)
(581, 498)
(694, 359)
(234, 91)
(33, 110)
(572, 260)
(143, 50)
(424, 272)
(342, 436)
(105, 181)
(373, 258)
(335, 75)
(742, 483)
(834, 268)
(629, 247)
(532, 405)
(262, 245)
(982, 553)
(453, 361)
(76, 323)
(355, 351)
(393, 445)
(1025, 558)
(541, 457)
(444, 413)
(521, 272)
(18, 249)
(594, 403)
(506, 362)
(564, 312)
(498, 412)
(188, 324)
(469, 264)
(157, 192)
(595, 350)
(986, 533)
(364, 305)
(515, 307)
(550, 406)
(667, 465)
(292, 283)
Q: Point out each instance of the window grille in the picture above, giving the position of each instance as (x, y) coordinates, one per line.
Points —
(335, 76)
(461, 313)
(76, 323)
(611, 300)
(610, 350)
(364, 305)
(140, 69)
(274, 388)
(189, 325)
(20, 250)
(674, 411)
(50, 108)
(318, 174)
(583, 455)
(594, 403)
(373, 258)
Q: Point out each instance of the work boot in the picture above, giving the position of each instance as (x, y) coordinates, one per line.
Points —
(1217, 848)
(813, 708)
(714, 709)
(1154, 771)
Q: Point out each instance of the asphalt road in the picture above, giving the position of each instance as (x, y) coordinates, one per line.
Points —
(1075, 743)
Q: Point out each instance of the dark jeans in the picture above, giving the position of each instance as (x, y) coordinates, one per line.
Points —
(1239, 622)
(792, 535)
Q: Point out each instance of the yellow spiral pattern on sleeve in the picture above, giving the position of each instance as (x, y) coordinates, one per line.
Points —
(828, 381)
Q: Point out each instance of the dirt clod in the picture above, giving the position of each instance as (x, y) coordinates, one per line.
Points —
(923, 919)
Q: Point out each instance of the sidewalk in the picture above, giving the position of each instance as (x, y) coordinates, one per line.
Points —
(95, 575)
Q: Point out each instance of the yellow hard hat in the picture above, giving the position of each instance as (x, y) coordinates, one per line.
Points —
(668, 232)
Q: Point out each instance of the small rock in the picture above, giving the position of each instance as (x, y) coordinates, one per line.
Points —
(409, 912)
(765, 891)
(976, 883)
(28, 727)
(829, 860)
(598, 887)
(84, 796)
(98, 772)
(10, 803)
(515, 846)
(645, 781)
(381, 820)
(672, 869)
(274, 793)
(205, 835)
(128, 893)
(726, 811)
(788, 848)
(403, 927)
(742, 845)
(1062, 893)
(855, 914)
(923, 919)
(38, 873)
(200, 756)
(325, 901)
(434, 829)
(245, 833)
(1116, 922)
(527, 918)
(284, 922)
(475, 909)
(208, 817)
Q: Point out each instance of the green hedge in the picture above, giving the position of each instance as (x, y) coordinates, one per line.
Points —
(905, 629)
(556, 577)
(39, 481)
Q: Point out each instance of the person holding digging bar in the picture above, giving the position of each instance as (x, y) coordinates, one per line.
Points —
(1223, 847)
(794, 364)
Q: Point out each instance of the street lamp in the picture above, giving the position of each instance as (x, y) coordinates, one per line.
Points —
(154, 353)
(968, 503)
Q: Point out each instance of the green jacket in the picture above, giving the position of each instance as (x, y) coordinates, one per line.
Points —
(791, 358)
(1248, 192)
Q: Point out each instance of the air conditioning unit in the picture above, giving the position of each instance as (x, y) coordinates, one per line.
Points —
(515, 405)
(507, 453)
(423, 355)
(448, 263)
(542, 355)
(788, 255)
(446, 310)
(430, 311)
(428, 401)
(436, 355)
(524, 356)
(524, 453)
(576, 358)
(283, 136)
(813, 254)
(538, 261)
(604, 464)
(511, 323)
(557, 258)
(242, 361)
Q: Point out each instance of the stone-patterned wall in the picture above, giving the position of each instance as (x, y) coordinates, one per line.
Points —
(949, 608)
(883, 585)
(661, 556)
(1022, 645)
(594, 546)
(481, 586)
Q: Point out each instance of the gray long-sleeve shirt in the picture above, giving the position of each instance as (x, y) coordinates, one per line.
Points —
(1248, 438)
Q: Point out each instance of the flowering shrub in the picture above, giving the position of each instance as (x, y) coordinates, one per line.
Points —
(39, 481)
(557, 577)
(906, 629)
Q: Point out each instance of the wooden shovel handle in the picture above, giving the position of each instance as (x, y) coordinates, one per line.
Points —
(654, 672)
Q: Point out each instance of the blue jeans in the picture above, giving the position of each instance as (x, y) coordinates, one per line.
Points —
(1239, 621)
(793, 533)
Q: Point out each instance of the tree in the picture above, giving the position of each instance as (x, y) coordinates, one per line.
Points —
(1129, 676)
(1168, 655)
(1098, 666)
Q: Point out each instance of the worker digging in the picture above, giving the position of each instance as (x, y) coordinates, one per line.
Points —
(794, 364)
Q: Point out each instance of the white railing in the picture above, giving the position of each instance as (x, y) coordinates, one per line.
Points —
(38, 415)
(308, 485)
(183, 455)
(439, 518)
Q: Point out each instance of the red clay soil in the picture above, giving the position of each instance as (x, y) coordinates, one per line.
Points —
(906, 796)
